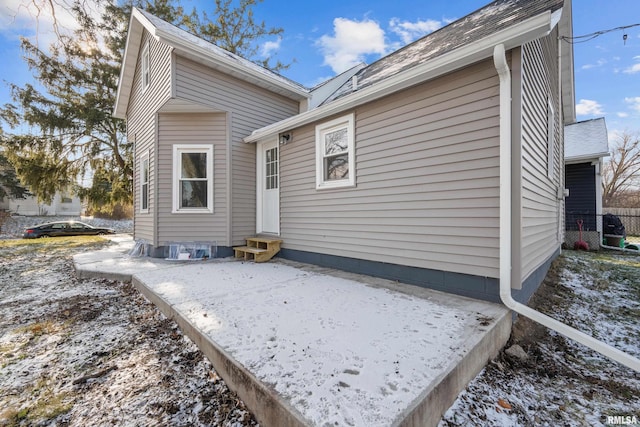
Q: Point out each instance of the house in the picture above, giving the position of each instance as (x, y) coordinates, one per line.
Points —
(392, 169)
(62, 204)
(586, 145)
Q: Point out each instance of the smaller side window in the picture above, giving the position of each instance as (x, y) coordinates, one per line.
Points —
(551, 138)
(335, 153)
(145, 66)
(144, 183)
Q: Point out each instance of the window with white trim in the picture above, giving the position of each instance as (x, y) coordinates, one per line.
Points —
(144, 183)
(145, 66)
(551, 138)
(335, 153)
(192, 178)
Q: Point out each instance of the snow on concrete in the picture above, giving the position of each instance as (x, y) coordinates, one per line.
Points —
(343, 352)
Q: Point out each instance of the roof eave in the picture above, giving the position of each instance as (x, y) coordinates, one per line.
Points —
(137, 24)
(531, 29)
(567, 71)
(232, 67)
(585, 157)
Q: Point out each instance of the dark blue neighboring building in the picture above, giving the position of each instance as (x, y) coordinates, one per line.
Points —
(586, 145)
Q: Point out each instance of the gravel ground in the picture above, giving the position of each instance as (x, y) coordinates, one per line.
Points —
(94, 352)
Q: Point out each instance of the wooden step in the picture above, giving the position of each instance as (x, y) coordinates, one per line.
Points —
(250, 249)
(259, 249)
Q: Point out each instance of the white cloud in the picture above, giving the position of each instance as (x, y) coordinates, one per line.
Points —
(351, 42)
(35, 19)
(599, 63)
(634, 103)
(410, 31)
(635, 68)
(622, 114)
(587, 107)
(268, 48)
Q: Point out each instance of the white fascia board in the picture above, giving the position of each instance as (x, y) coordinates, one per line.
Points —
(127, 69)
(137, 24)
(586, 157)
(528, 30)
(565, 28)
(233, 67)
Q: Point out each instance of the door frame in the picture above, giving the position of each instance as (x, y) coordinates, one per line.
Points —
(260, 185)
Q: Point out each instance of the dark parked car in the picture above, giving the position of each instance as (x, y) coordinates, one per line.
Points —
(64, 228)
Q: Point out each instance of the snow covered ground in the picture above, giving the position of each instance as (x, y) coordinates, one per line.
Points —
(561, 382)
(93, 352)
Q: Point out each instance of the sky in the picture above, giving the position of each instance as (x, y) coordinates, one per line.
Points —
(323, 38)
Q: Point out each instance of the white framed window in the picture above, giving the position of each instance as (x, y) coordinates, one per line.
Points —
(145, 66)
(335, 153)
(192, 178)
(65, 198)
(551, 138)
(144, 183)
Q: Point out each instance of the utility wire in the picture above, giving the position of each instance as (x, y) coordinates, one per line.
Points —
(587, 37)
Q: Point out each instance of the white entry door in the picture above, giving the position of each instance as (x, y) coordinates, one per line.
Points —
(268, 220)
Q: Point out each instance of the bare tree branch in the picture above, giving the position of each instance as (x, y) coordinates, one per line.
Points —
(621, 172)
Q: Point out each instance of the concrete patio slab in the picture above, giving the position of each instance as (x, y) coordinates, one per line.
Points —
(308, 346)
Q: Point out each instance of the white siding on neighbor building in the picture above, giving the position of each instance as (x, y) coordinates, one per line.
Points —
(427, 180)
(249, 108)
(203, 128)
(141, 127)
(71, 206)
(541, 209)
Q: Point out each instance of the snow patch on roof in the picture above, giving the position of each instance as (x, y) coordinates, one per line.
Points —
(586, 138)
(482, 23)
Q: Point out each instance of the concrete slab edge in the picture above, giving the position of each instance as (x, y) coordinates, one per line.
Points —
(83, 273)
(266, 405)
(427, 410)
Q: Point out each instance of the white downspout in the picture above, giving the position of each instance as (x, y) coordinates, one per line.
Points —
(500, 61)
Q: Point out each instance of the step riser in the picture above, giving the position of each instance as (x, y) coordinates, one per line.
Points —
(258, 249)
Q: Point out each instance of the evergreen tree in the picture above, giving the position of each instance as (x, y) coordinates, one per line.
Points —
(9, 184)
(71, 132)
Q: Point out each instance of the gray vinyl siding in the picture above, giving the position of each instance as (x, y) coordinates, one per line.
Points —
(141, 127)
(541, 210)
(191, 128)
(249, 108)
(427, 180)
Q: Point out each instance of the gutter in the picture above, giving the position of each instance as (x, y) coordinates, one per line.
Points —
(504, 74)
